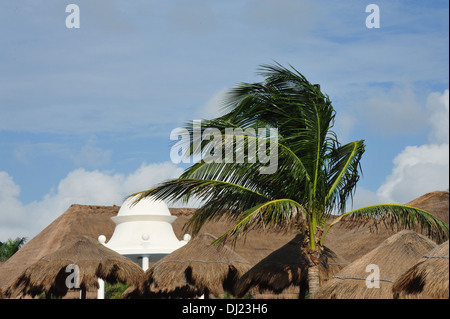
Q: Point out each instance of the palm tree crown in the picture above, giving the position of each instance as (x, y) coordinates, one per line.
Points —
(315, 175)
(10, 247)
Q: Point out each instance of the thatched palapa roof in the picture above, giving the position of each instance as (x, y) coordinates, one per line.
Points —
(286, 267)
(429, 278)
(434, 202)
(394, 256)
(196, 269)
(76, 221)
(93, 221)
(50, 274)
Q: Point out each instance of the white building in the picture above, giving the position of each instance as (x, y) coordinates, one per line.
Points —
(144, 231)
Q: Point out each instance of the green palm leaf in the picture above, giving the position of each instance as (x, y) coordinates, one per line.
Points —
(401, 216)
(343, 173)
(279, 213)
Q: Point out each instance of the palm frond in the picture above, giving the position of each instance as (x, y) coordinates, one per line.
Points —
(184, 189)
(343, 173)
(278, 213)
(401, 216)
(249, 169)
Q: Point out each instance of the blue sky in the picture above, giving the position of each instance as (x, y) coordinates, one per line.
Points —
(85, 114)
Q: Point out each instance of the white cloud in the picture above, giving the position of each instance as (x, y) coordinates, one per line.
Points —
(212, 107)
(11, 209)
(78, 187)
(8, 189)
(418, 169)
(147, 176)
(88, 187)
(363, 197)
(438, 104)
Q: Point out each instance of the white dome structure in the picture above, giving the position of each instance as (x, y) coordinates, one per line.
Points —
(146, 206)
(143, 230)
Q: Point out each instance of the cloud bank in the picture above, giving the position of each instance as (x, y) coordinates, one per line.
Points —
(80, 186)
(417, 169)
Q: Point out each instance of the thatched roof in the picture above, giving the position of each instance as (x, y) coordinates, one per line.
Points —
(434, 202)
(429, 278)
(76, 221)
(394, 256)
(286, 267)
(50, 274)
(196, 269)
(93, 221)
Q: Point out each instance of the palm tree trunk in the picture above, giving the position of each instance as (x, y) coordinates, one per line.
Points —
(313, 250)
(313, 280)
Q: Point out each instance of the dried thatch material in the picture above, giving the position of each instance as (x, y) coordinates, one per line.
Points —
(76, 221)
(196, 269)
(428, 279)
(286, 267)
(392, 257)
(50, 274)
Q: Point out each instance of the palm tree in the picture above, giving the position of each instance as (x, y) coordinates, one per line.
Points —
(10, 247)
(315, 176)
